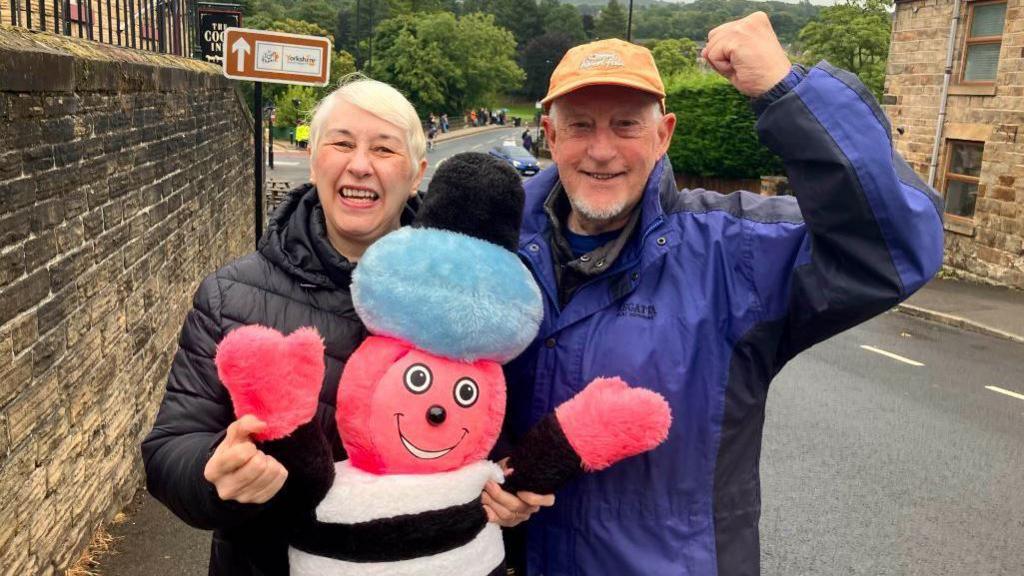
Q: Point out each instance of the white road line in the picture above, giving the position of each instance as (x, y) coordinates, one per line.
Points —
(891, 355)
(279, 163)
(1007, 392)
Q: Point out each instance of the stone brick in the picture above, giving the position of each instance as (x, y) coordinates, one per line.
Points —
(40, 249)
(38, 159)
(56, 309)
(69, 266)
(46, 215)
(10, 165)
(30, 408)
(24, 332)
(23, 294)
(9, 527)
(14, 227)
(12, 265)
(16, 194)
(47, 350)
(70, 235)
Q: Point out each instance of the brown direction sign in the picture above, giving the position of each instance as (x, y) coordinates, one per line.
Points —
(277, 57)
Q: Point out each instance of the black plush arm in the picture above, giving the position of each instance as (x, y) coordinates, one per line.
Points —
(306, 454)
(544, 461)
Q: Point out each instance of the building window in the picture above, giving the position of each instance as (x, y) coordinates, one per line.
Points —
(78, 12)
(984, 38)
(963, 171)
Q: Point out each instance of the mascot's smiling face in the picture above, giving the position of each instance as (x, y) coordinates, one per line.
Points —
(402, 410)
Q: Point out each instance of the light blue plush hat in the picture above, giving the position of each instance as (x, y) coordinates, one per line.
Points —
(451, 283)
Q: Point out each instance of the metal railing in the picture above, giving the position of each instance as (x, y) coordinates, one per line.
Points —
(166, 26)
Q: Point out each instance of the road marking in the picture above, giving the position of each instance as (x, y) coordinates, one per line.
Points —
(891, 355)
(279, 163)
(1007, 392)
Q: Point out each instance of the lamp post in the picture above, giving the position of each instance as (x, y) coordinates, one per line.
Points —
(270, 113)
(629, 23)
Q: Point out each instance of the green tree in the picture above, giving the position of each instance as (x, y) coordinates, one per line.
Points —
(521, 17)
(611, 22)
(675, 55)
(854, 36)
(293, 26)
(557, 18)
(319, 12)
(715, 134)
(444, 64)
(293, 103)
(539, 59)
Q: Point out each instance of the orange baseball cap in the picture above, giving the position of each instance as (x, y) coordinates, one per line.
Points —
(612, 61)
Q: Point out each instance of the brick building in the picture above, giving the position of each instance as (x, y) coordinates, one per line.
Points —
(964, 131)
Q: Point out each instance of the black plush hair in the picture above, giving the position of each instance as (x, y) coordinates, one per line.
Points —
(477, 195)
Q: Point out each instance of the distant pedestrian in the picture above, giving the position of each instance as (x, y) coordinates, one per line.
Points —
(431, 131)
(527, 140)
(444, 123)
(302, 134)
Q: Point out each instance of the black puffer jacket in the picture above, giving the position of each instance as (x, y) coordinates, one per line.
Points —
(296, 278)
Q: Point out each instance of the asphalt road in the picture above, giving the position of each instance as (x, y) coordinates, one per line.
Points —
(481, 142)
(873, 464)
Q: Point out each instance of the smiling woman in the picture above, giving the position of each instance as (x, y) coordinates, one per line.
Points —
(367, 160)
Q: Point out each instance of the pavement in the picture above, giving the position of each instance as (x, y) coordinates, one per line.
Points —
(991, 310)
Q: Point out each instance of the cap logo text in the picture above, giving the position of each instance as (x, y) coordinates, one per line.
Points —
(602, 60)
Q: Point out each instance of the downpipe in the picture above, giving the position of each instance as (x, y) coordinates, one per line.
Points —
(944, 96)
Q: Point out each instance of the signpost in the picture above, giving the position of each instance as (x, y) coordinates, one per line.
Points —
(278, 57)
(214, 19)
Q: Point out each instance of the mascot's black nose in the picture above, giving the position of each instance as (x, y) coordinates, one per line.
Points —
(436, 415)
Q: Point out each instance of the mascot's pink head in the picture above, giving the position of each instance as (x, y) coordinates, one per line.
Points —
(402, 410)
(447, 301)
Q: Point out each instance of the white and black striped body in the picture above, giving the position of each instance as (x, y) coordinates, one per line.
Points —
(401, 525)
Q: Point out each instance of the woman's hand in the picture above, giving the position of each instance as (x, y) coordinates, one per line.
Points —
(507, 509)
(240, 471)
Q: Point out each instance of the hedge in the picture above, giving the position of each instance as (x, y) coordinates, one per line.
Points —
(715, 133)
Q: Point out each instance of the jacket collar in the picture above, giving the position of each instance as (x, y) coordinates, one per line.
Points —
(538, 189)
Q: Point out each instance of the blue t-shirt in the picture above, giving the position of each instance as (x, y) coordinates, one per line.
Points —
(581, 244)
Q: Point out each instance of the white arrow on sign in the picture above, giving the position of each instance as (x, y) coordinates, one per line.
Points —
(242, 47)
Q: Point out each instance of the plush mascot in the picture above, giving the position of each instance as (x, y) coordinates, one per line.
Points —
(421, 401)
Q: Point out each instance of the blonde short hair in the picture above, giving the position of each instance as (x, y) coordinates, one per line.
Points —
(379, 99)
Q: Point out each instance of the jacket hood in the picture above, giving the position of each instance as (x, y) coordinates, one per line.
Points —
(296, 240)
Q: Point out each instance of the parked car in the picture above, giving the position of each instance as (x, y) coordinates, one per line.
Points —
(518, 157)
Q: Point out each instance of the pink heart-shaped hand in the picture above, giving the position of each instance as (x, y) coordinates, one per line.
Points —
(609, 420)
(274, 377)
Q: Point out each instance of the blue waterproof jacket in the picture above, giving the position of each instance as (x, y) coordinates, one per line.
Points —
(708, 300)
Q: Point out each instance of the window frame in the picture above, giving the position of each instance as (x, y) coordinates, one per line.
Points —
(977, 40)
(947, 176)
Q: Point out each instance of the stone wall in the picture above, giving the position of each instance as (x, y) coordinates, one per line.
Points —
(991, 246)
(125, 177)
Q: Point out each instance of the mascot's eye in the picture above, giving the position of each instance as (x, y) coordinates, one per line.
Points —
(466, 392)
(418, 378)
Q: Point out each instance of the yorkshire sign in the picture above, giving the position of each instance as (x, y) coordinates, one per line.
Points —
(277, 57)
